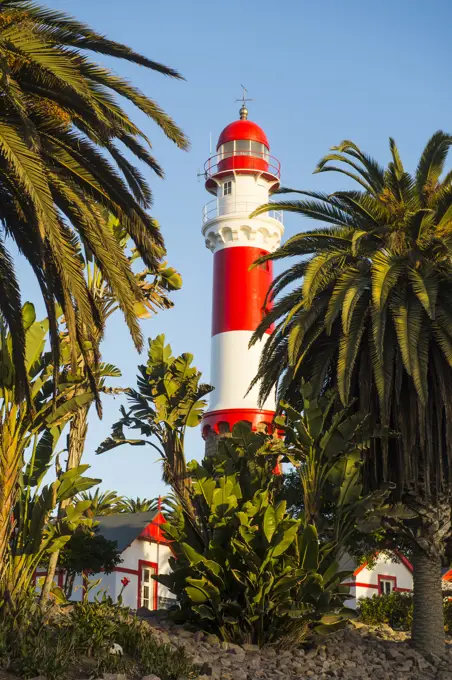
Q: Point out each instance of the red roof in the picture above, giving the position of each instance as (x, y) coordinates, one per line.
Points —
(243, 129)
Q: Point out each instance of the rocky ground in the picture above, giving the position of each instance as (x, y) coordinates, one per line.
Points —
(358, 652)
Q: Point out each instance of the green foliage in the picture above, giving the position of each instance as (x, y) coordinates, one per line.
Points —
(33, 431)
(101, 502)
(170, 398)
(87, 550)
(244, 568)
(448, 616)
(99, 624)
(63, 132)
(366, 308)
(54, 644)
(138, 504)
(395, 609)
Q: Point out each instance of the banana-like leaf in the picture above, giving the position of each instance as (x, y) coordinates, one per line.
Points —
(68, 408)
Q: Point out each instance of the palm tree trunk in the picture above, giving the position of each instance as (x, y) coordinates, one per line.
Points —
(428, 618)
(77, 437)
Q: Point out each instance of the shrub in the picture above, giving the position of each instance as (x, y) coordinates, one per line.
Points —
(54, 643)
(448, 616)
(245, 569)
(395, 609)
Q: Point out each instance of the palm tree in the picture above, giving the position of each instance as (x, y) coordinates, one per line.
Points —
(102, 502)
(62, 172)
(138, 504)
(367, 308)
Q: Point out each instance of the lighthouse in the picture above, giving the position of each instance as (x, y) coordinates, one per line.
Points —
(241, 176)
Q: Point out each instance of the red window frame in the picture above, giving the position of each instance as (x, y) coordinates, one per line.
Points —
(384, 577)
(152, 565)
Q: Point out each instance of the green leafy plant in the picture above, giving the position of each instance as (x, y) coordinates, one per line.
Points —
(86, 550)
(29, 646)
(328, 446)
(97, 625)
(365, 306)
(244, 568)
(394, 609)
(170, 398)
(34, 428)
(58, 644)
(448, 616)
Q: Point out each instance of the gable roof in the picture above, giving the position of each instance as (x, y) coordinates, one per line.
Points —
(125, 527)
(399, 556)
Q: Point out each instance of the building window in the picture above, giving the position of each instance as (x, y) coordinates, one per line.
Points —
(386, 585)
(227, 188)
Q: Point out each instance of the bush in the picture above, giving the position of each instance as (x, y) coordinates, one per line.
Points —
(448, 616)
(395, 609)
(245, 569)
(56, 642)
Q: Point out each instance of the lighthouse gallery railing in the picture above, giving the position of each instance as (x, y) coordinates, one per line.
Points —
(219, 207)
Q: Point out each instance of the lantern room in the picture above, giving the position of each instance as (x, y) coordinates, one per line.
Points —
(242, 148)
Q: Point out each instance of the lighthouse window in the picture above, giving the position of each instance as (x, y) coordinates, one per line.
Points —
(226, 150)
(257, 149)
(227, 188)
(242, 147)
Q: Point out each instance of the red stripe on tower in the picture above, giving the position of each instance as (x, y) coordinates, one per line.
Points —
(239, 291)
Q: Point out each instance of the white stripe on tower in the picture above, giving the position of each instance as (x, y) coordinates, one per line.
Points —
(241, 177)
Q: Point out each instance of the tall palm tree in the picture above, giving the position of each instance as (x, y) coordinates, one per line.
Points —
(367, 307)
(62, 170)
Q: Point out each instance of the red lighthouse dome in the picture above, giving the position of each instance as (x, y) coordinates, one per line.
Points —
(242, 148)
(243, 130)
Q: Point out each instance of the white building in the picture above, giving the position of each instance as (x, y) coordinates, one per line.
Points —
(144, 553)
(388, 572)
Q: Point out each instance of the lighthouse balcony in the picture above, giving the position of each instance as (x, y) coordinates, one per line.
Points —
(242, 205)
(246, 161)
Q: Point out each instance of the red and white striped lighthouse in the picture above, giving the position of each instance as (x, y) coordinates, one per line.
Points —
(241, 177)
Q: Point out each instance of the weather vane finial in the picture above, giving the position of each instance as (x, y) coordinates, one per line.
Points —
(243, 99)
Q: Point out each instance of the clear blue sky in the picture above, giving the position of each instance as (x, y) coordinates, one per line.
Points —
(319, 72)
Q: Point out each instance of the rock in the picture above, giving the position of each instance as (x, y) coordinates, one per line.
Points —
(114, 676)
(235, 649)
(212, 640)
(145, 613)
(150, 677)
(394, 654)
(116, 649)
(183, 633)
(250, 649)
(255, 661)
(199, 636)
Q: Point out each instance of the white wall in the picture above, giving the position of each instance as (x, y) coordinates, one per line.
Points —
(148, 552)
(384, 566)
(111, 583)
